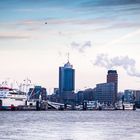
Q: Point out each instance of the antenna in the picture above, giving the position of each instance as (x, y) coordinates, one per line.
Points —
(68, 56)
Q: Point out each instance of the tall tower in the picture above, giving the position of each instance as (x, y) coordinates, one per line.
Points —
(112, 77)
(66, 80)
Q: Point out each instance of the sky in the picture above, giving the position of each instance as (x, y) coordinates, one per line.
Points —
(98, 34)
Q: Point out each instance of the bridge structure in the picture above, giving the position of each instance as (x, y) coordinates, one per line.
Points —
(46, 104)
(58, 105)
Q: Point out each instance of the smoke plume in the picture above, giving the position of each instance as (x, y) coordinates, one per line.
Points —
(81, 47)
(128, 64)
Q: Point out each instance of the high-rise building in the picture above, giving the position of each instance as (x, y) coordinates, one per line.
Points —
(104, 93)
(66, 81)
(112, 77)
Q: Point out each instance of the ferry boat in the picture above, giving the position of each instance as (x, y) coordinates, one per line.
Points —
(128, 106)
(125, 106)
(11, 98)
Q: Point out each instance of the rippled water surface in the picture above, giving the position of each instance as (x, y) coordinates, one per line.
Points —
(70, 125)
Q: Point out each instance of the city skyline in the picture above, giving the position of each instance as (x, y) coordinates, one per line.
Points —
(35, 37)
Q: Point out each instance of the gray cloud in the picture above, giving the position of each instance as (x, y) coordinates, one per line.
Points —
(10, 37)
(81, 47)
(91, 3)
(128, 64)
(97, 24)
(125, 25)
(119, 25)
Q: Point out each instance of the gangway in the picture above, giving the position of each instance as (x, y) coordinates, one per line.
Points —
(58, 105)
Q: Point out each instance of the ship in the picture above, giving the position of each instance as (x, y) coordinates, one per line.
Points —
(125, 106)
(128, 106)
(11, 99)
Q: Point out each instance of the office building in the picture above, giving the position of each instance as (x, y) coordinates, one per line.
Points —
(112, 77)
(131, 95)
(85, 95)
(66, 81)
(104, 93)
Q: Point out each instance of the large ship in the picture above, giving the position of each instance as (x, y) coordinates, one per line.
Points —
(11, 98)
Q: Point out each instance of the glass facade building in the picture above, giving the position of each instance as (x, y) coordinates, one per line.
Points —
(66, 78)
(104, 93)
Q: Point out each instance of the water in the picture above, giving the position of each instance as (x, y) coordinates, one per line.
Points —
(70, 125)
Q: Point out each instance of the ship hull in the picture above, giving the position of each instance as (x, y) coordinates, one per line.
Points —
(8, 103)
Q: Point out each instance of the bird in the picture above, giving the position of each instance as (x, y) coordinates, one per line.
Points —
(45, 22)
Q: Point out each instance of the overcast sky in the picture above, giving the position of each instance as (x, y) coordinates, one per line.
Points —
(98, 34)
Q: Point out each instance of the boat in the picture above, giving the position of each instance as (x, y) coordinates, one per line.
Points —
(11, 98)
(128, 106)
(91, 105)
(125, 106)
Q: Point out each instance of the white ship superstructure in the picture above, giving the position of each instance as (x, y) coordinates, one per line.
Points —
(11, 97)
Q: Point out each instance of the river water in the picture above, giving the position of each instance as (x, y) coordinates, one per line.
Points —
(70, 125)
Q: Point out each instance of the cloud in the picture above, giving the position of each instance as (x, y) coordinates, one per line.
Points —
(94, 24)
(123, 25)
(91, 3)
(81, 47)
(67, 21)
(31, 22)
(124, 37)
(128, 64)
(111, 25)
(13, 37)
(126, 25)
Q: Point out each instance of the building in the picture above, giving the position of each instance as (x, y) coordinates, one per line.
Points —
(131, 95)
(104, 93)
(56, 90)
(85, 95)
(112, 77)
(66, 82)
(128, 95)
(137, 96)
(37, 93)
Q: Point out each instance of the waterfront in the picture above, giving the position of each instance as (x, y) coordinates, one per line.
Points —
(70, 125)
